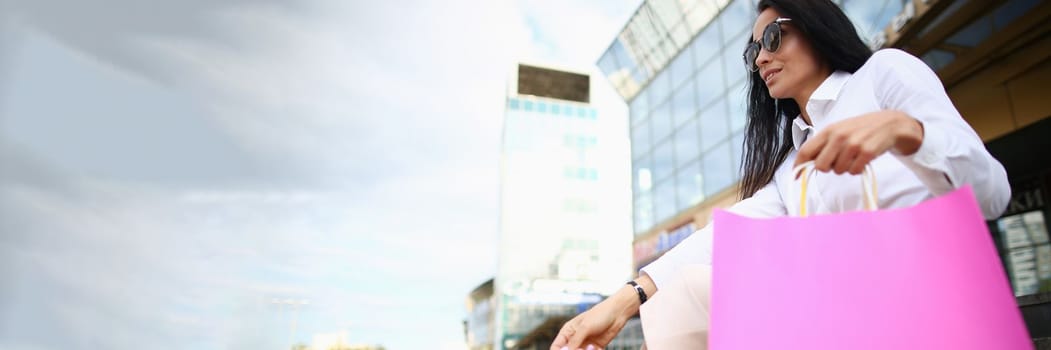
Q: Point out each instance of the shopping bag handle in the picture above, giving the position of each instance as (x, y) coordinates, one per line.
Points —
(868, 186)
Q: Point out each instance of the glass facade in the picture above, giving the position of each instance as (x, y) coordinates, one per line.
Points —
(687, 106)
(654, 35)
(1026, 251)
(976, 32)
(563, 177)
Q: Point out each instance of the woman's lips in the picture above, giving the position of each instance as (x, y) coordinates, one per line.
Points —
(769, 75)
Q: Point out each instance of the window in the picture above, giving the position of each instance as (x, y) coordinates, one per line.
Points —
(709, 84)
(621, 56)
(680, 34)
(681, 68)
(640, 139)
(718, 169)
(658, 89)
(737, 18)
(641, 75)
(701, 15)
(586, 141)
(643, 213)
(512, 103)
(733, 61)
(706, 45)
(973, 34)
(664, 205)
(870, 17)
(687, 142)
(1023, 245)
(938, 59)
(663, 160)
(661, 122)
(690, 185)
(1010, 11)
(642, 177)
(639, 108)
(667, 12)
(738, 110)
(714, 125)
(683, 106)
(608, 64)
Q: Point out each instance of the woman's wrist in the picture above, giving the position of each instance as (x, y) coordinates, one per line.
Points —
(628, 299)
(909, 135)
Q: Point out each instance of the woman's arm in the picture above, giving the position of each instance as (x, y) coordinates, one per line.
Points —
(951, 154)
(599, 325)
(921, 127)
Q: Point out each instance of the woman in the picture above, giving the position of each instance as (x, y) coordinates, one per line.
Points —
(886, 109)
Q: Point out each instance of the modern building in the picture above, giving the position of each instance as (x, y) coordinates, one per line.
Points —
(678, 65)
(564, 238)
(479, 327)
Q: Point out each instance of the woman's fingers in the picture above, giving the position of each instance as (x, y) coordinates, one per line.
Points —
(847, 146)
(833, 146)
(580, 333)
(847, 155)
(865, 155)
(562, 339)
(811, 149)
(571, 336)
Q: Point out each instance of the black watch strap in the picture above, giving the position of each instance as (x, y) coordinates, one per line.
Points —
(638, 289)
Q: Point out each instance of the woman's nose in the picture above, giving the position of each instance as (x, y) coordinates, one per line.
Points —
(763, 58)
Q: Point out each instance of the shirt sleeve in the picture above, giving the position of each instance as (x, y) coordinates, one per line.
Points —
(951, 154)
(697, 248)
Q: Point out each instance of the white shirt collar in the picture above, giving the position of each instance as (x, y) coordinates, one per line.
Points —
(828, 91)
(800, 130)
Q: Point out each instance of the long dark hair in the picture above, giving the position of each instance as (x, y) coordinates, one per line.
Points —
(768, 136)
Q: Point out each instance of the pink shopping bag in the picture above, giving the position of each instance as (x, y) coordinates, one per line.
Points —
(925, 277)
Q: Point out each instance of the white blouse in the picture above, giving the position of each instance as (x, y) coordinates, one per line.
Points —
(951, 155)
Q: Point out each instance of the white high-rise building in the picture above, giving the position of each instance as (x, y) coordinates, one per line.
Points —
(565, 217)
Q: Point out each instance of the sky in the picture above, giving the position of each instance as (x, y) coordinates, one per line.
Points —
(170, 169)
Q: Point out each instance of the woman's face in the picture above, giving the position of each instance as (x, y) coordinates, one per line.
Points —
(794, 70)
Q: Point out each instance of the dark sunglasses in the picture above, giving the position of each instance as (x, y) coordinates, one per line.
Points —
(770, 41)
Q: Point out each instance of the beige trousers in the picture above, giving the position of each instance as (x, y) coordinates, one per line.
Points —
(677, 315)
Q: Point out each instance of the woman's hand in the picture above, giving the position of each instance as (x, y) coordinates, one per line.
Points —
(849, 145)
(595, 328)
